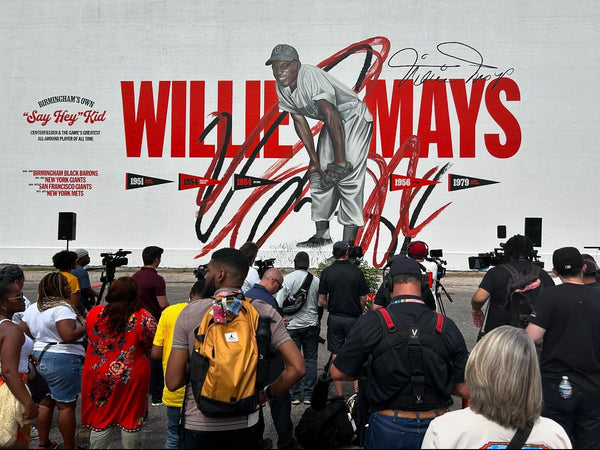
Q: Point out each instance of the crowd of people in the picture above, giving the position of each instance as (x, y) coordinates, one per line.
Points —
(404, 358)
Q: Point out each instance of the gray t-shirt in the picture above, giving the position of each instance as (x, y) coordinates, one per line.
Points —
(184, 338)
(307, 315)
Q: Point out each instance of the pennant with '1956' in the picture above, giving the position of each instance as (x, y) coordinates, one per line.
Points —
(245, 182)
(192, 181)
(398, 182)
(458, 182)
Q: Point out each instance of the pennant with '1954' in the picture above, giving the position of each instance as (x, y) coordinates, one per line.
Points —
(245, 182)
(398, 182)
(458, 182)
(135, 181)
(192, 181)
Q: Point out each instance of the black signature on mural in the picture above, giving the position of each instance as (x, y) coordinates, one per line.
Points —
(458, 60)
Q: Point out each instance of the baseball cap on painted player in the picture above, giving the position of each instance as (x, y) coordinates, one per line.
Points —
(567, 259)
(403, 265)
(283, 52)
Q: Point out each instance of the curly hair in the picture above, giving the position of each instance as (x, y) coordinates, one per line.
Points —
(50, 294)
(518, 246)
(121, 302)
(64, 260)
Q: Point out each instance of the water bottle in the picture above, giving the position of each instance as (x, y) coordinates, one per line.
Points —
(564, 388)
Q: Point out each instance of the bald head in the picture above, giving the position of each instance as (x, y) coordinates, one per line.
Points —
(272, 280)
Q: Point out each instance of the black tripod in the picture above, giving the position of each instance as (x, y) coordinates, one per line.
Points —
(438, 297)
(107, 277)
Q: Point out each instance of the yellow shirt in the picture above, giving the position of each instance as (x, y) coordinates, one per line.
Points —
(73, 282)
(164, 338)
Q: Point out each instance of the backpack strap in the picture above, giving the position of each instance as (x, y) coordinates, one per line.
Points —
(417, 378)
(520, 436)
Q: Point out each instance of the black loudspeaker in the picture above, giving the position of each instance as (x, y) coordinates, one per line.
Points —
(67, 224)
(501, 231)
(533, 230)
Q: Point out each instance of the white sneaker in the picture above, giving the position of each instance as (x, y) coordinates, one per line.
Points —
(34, 433)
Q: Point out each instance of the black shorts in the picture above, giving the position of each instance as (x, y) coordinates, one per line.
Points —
(338, 328)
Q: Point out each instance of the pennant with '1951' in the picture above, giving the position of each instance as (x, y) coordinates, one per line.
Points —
(458, 182)
(134, 181)
(245, 182)
(398, 182)
(192, 181)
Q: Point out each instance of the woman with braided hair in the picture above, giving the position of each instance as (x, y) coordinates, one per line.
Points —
(58, 330)
(116, 373)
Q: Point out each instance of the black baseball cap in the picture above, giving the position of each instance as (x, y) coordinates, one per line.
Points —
(341, 246)
(590, 267)
(403, 265)
(567, 259)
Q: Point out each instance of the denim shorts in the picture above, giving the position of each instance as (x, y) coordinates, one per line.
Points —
(62, 372)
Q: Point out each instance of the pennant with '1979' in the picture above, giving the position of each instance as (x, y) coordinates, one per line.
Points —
(458, 182)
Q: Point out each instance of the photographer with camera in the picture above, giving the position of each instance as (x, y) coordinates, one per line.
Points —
(153, 298)
(343, 291)
(519, 254)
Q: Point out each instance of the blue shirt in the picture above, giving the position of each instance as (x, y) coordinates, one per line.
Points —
(259, 292)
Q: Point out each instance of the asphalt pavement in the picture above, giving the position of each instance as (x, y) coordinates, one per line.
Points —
(459, 288)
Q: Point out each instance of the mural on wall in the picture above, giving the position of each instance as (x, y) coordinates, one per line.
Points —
(331, 175)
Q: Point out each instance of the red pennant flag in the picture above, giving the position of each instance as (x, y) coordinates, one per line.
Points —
(245, 182)
(398, 182)
(135, 181)
(192, 181)
(458, 182)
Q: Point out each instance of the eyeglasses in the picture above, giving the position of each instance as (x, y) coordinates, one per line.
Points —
(278, 282)
(19, 297)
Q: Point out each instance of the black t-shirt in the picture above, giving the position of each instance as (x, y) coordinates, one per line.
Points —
(368, 331)
(570, 314)
(344, 283)
(495, 281)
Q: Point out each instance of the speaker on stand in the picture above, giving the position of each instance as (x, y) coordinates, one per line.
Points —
(67, 226)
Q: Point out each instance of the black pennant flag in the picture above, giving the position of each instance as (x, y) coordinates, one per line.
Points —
(245, 182)
(458, 182)
(134, 181)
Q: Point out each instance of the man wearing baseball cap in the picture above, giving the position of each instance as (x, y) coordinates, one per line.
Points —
(88, 295)
(567, 324)
(338, 164)
(343, 291)
(418, 361)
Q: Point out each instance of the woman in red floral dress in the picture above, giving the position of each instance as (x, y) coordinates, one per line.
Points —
(116, 372)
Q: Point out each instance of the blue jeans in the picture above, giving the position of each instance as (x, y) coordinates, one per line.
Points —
(395, 432)
(307, 341)
(245, 438)
(173, 419)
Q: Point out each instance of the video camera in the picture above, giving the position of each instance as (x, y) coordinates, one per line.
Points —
(436, 257)
(116, 259)
(200, 272)
(264, 265)
(110, 262)
(355, 254)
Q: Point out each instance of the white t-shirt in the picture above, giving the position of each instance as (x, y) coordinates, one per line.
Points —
(464, 428)
(42, 325)
(251, 279)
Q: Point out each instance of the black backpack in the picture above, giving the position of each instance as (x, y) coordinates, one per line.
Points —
(521, 294)
(293, 304)
(329, 427)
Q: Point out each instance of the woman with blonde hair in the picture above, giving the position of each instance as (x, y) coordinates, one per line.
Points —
(58, 331)
(116, 374)
(503, 375)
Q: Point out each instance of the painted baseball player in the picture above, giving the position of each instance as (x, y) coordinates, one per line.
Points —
(339, 162)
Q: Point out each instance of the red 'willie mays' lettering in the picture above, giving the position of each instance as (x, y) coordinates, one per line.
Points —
(391, 117)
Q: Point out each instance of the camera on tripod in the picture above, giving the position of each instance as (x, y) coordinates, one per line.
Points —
(116, 259)
(436, 257)
(264, 265)
(110, 262)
